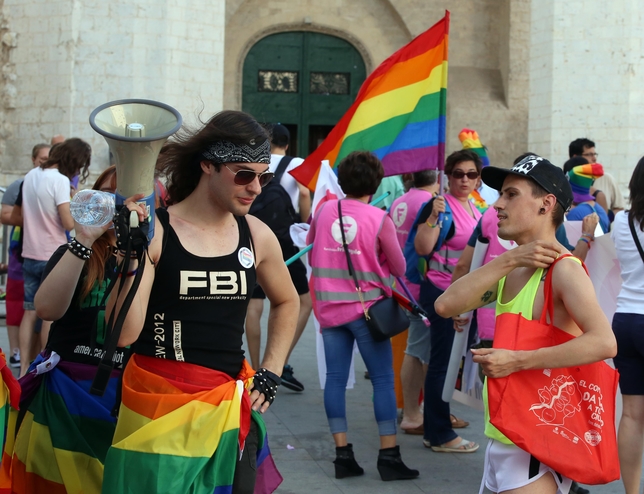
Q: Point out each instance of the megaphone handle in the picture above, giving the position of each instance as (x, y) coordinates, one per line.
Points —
(134, 219)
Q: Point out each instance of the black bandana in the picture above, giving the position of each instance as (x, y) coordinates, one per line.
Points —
(226, 152)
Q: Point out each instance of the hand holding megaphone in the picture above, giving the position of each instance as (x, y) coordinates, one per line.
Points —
(131, 224)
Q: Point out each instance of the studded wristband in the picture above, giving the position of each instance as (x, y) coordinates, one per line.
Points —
(266, 382)
(79, 250)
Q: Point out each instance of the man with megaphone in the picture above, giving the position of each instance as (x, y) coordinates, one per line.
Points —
(189, 397)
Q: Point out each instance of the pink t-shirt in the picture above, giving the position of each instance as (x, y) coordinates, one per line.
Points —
(403, 212)
(43, 191)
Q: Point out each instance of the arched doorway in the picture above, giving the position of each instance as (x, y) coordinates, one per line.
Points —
(303, 80)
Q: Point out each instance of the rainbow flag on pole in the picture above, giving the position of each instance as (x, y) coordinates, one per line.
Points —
(399, 113)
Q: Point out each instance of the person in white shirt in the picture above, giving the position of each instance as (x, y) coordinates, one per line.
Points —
(46, 217)
(301, 200)
(628, 326)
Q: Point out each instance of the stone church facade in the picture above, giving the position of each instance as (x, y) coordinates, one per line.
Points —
(527, 74)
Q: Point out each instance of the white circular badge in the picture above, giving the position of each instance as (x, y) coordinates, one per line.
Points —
(246, 258)
(350, 229)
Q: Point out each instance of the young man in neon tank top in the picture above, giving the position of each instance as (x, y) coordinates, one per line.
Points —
(186, 322)
(534, 197)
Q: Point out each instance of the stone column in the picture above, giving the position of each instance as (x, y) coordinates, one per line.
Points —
(587, 80)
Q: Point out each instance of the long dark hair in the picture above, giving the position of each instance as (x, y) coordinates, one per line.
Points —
(636, 186)
(180, 159)
(72, 156)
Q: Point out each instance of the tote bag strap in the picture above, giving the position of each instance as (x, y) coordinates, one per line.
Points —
(631, 225)
(352, 271)
(548, 300)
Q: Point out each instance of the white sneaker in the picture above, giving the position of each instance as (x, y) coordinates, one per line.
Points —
(14, 360)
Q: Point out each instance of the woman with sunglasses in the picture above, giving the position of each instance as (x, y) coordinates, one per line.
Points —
(463, 169)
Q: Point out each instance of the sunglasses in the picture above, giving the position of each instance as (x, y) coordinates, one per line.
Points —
(244, 177)
(459, 174)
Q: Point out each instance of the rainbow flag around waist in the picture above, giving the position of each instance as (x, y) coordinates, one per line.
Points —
(399, 113)
(181, 428)
(57, 443)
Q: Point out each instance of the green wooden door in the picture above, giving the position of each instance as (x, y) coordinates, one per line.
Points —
(303, 80)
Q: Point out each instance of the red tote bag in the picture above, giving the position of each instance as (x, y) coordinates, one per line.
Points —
(565, 418)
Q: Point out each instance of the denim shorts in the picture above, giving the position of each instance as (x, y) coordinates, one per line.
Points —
(32, 271)
(418, 339)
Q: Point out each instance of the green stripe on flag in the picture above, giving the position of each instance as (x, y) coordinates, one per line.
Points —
(429, 107)
(71, 432)
(129, 471)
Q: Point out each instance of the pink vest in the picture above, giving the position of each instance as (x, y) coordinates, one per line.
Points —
(335, 297)
(403, 212)
(442, 263)
(489, 230)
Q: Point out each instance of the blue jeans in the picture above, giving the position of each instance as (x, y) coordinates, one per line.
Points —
(437, 422)
(32, 272)
(338, 347)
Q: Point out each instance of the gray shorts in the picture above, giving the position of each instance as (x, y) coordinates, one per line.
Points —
(418, 340)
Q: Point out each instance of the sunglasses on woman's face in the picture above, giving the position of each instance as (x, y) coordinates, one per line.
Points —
(459, 174)
(244, 177)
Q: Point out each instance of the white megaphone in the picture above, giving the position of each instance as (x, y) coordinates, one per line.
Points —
(135, 130)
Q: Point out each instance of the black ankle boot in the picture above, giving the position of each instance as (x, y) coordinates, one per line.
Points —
(391, 466)
(345, 463)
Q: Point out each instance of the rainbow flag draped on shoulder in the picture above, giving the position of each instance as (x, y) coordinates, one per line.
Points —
(399, 113)
(180, 429)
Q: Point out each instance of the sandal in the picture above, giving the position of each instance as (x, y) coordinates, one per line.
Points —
(458, 423)
(464, 446)
(416, 431)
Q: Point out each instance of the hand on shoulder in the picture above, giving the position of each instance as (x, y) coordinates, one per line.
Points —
(537, 254)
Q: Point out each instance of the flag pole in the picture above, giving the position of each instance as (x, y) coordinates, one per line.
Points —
(291, 260)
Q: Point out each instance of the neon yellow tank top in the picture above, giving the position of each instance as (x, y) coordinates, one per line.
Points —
(521, 304)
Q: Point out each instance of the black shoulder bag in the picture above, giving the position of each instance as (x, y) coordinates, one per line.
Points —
(385, 318)
(631, 224)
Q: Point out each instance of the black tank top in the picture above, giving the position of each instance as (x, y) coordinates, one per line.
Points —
(198, 304)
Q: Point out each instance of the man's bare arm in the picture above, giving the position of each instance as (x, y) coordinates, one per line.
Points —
(304, 202)
(479, 287)
(275, 280)
(574, 289)
(15, 217)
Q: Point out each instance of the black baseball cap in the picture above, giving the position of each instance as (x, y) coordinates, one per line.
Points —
(539, 169)
(280, 136)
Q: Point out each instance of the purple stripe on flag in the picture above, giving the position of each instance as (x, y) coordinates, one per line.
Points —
(414, 160)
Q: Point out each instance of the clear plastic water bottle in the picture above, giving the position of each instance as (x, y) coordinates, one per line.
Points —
(92, 207)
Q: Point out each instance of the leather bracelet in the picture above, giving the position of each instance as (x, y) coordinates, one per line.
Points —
(79, 250)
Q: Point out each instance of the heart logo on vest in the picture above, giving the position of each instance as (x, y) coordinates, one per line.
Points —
(350, 229)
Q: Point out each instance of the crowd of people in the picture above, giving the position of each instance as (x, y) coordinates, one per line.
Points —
(182, 408)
